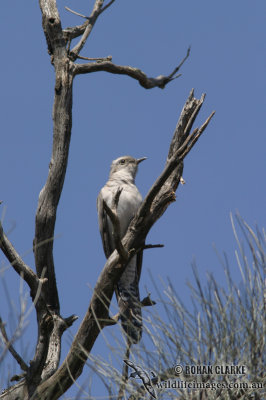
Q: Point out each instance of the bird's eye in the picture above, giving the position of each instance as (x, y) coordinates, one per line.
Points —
(122, 161)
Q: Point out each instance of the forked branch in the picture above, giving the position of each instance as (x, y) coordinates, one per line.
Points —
(89, 24)
(44, 380)
(153, 206)
(86, 28)
(148, 83)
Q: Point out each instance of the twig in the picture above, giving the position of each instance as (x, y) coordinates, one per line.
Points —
(147, 301)
(76, 13)
(196, 136)
(18, 377)
(135, 73)
(70, 33)
(180, 65)
(10, 347)
(70, 320)
(68, 45)
(166, 192)
(17, 263)
(185, 122)
(108, 58)
(152, 246)
(197, 105)
(78, 30)
(89, 24)
(107, 5)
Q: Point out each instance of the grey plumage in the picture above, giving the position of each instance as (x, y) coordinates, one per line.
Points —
(122, 175)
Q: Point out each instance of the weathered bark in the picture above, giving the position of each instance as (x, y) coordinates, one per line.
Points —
(43, 379)
(160, 196)
(62, 123)
(147, 82)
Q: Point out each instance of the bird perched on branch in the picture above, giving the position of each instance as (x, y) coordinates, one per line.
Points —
(122, 179)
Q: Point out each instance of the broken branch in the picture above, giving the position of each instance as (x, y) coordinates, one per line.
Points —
(148, 83)
(147, 301)
(152, 246)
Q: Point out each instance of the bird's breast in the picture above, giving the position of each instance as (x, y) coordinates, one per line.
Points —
(129, 202)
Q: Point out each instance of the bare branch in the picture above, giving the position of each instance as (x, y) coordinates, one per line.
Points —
(18, 377)
(62, 121)
(148, 83)
(108, 58)
(185, 122)
(69, 321)
(147, 301)
(44, 379)
(106, 6)
(9, 346)
(89, 24)
(162, 193)
(76, 31)
(17, 263)
(48, 350)
(197, 135)
(50, 324)
(172, 75)
(152, 246)
(76, 13)
(153, 206)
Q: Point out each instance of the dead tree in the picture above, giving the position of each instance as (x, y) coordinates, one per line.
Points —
(43, 378)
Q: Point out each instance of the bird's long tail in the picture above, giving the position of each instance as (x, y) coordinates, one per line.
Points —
(129, 302)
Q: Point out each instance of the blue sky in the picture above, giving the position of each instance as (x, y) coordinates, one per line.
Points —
(114, 116)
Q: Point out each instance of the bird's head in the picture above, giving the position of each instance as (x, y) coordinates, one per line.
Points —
(126, 165)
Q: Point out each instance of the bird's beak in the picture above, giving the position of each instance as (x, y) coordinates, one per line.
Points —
(139, 160)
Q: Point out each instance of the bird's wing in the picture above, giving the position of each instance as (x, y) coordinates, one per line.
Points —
(104, 227)
(127, 291)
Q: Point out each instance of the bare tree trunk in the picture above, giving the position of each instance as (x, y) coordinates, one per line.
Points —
(43, 378)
